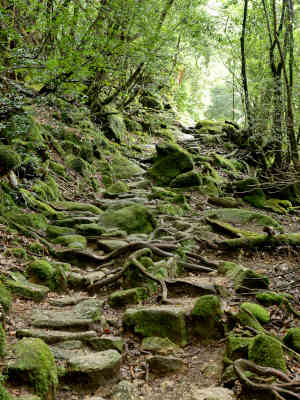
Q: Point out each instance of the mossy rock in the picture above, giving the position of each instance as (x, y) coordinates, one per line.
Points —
(119, 167)
(132, 219)
(74, 206)
(247, 279)
(242, 217)
(267, 352)
(271, 298)
(206, 318)
(292, 339)
(209, 126)
(72, 241)
(87, 151)
(35, 363)
(187, 179)
(58, 168)
(93, 229)
(115, 128)
(167, 195)
(51, 275)
(171, 161)
(30, 219)
(259, 312)
(170, 209)
(5, 297)
(17, 252)
(231, 165)
(122, 298)
(20, 286)
(9, 159)
(163, 321)
(279, 206)
(159, 345)
(37, 204)
(117, 188)
(237, 347)
(246, 318)
(54, 231)
(107, 342)
(70, 147)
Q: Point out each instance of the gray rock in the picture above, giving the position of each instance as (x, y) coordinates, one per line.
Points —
(95, 369)
(107, 342)
(163, 321)
(124, 390)
(20, 286)
(51, 336)
(80, 316)
(164, 365)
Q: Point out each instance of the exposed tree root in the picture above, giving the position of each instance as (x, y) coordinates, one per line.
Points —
(286, 387)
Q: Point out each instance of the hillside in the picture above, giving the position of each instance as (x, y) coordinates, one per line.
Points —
(146, 255)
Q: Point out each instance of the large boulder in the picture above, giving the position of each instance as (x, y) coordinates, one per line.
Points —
(267, 351)
(171, 161)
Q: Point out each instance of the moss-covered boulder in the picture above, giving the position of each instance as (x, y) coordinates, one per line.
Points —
(95, 369)
(78, 165)
(92, 229)
(20, 286)
(170, 162)
(118, 167)
(132, 219)
(191, 178)
(54, 231)
(271, 298)
(267, 351)
(33, 220)
(36, 204)
(246, 279)
(292, 339)
(246, 318)
(206, 318)
(259, 312)
(242, 217)
(72, 241)
(122, 298)
(116, 188)
(163, 321)
(209, 126)
(9, 159)
(35, 364)
(52, 275)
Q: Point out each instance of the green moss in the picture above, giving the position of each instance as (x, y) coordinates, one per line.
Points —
(225, 162)
(5, 298)
(53, 231)
(90, 229)
(35, 360)
(270, 298)
(53, 275)
(267, 351)
(72, 241)
(206, 316)
(70, 147)
(164, 321)
(246, 318)
(242, 216)
(36, 248)
(171, 161)
(132, 219)
(259, 312)
(19, 286)
(187, 179)
(37, 204)
(118, 167)
(79, 165)
(9, 159)
(4, 395)
(47, 190)
(170, 209)
(58, 168)
(74, 206)
(32, 220)
(118, 187)
(2, 342)
(277, 205)
(237, 347)
(168, 195)
(17, 252)
(292, 339)
(251, 191)
(121, 298)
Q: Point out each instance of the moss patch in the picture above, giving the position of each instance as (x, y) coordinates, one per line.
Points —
(267, 351)
(35, 361)
(292, 339)
(259, 312)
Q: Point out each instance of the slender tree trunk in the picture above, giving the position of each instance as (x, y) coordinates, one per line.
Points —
(244, 71)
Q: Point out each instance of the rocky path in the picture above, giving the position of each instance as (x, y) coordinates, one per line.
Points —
(146, 292)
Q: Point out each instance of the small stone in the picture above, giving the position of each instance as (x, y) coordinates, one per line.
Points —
(107, 342)
(164, 365)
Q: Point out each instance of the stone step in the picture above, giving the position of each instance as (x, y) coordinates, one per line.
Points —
(52, 336)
